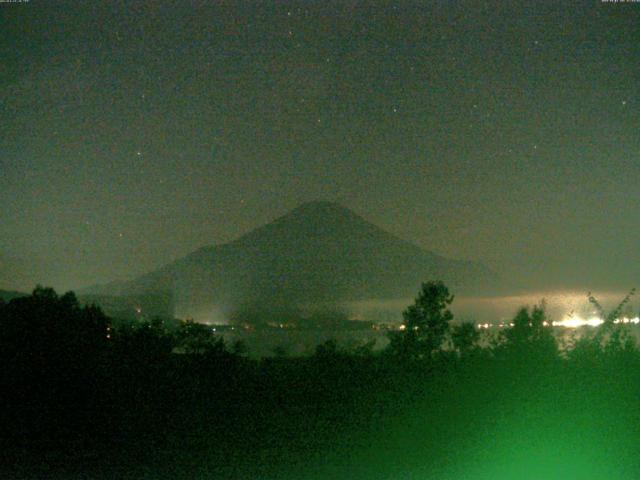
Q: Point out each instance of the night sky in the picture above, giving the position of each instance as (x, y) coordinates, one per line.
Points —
(135, 132)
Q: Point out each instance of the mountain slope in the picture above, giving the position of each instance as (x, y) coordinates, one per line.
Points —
(8, 295)
(319, 251)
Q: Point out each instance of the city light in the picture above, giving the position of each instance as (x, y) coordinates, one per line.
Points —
(573, 321)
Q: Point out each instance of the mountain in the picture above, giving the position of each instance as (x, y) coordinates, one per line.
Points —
(318, 252)
(8, 295)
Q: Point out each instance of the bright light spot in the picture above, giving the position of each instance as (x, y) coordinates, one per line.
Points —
(577, 321)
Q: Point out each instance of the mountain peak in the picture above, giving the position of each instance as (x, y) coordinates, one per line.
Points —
(310, 220)
(321, 207)
(319, 251)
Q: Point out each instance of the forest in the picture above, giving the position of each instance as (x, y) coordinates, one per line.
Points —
(86, 396)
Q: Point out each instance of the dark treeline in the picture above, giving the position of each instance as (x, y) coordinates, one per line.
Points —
(83, 397)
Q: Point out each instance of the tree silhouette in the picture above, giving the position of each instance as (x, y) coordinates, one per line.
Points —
(143, 342)
(465, 338)
(327, 349)
(52, 352)
(530, 334)
(53, 330)
(612, 316)
(198, 339)
(611, 336)
(425, 323)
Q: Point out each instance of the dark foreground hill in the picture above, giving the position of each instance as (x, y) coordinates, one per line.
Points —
(318, 252)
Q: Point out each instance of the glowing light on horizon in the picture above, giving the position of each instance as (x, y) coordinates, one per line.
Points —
(574, 321)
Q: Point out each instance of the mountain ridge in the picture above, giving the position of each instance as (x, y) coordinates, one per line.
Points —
(319, 251)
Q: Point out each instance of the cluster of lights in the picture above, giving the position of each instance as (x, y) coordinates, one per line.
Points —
(576, 321)
(573, 321)
(491, 325)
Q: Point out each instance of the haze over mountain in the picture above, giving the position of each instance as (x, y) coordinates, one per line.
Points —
(318, 252)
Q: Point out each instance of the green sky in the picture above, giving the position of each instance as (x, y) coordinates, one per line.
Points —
(135, 132)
